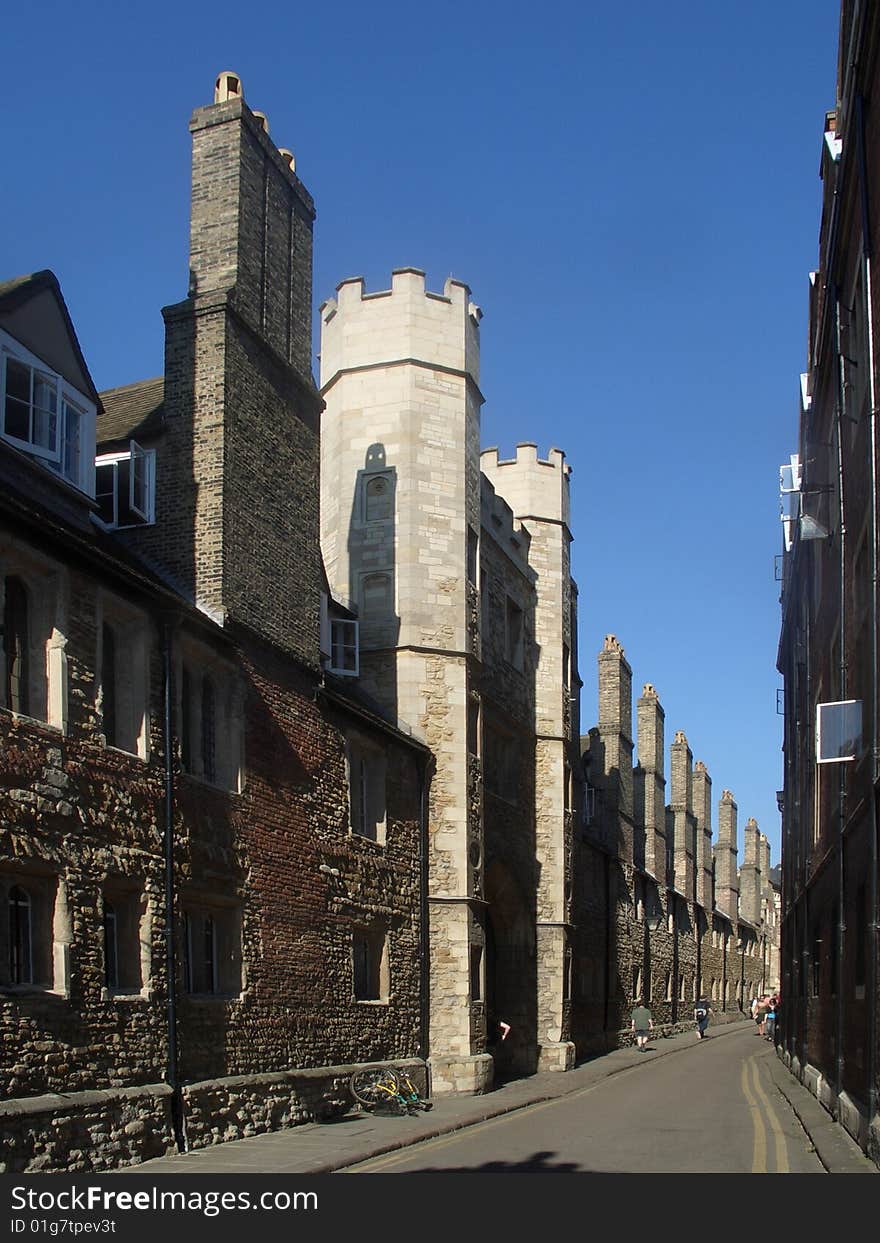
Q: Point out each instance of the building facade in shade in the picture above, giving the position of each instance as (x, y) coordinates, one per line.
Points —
(828, 650)
(211, 845)
(457, 564)
(662, 911)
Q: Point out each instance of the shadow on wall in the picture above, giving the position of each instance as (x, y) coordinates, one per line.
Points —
(372, 584)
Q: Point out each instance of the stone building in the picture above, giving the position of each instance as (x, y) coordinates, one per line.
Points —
(457, 564)
(212, 847)
(828, 648)
(660, 912)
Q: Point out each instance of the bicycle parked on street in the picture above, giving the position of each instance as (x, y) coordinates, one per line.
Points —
(388, 1087)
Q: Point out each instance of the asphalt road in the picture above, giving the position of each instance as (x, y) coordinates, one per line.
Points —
(710, 1107)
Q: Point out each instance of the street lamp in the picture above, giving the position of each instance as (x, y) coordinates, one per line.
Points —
(654, 921)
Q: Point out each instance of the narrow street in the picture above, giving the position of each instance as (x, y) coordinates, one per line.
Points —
(711, 1107)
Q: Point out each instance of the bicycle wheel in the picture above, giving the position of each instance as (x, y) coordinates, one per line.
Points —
(410, 1092)
(375, 1085)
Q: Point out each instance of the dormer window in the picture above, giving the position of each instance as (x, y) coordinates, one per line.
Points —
(44, 415)
(125, 486)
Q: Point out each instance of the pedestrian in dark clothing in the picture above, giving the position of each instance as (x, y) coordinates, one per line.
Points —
(641, 1025)
(702, 1010)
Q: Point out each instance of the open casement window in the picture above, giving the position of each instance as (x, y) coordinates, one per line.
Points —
(344, 647)
(366, 789)
(211, 949)
(370, 965)
(838, 731)
(125, 486)
(43, 415)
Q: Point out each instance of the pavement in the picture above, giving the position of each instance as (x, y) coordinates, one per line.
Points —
(324, 1147)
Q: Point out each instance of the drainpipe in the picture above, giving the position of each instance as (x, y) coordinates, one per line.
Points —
(606, 858)
(875, 594)
(172, 1075)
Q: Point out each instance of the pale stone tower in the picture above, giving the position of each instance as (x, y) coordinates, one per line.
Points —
(400, 513)
(702, 786)
(681, 806)
(726, 880)
(652, 794)
(537, 492)
(750, 874)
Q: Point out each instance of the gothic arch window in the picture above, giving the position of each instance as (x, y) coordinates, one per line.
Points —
(378, 498)
(20, 957)
(15, 642)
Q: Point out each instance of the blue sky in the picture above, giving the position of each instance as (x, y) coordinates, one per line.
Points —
(632, 193)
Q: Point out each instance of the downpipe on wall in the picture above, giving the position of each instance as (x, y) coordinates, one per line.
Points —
(172, 1069)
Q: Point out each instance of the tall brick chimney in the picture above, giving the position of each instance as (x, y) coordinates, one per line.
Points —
(650, 719)
(681, 807)
(238, 472)
(702, 787)
(750, 874)
(726, 878)
(616, 744)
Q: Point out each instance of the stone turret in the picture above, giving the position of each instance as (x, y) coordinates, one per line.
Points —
(683, 822)
(651, 788)
(750, 874)
(702, 790)
(400, 521)
(726, 878)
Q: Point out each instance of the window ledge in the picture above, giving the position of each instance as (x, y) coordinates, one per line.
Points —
(364, 837)
(32, 990)
(210, 998)
(124, 994)
(372, 1001)
(210, 785)
(32, 720)
(131, 755)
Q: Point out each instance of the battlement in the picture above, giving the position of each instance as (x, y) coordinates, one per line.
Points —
(498, 520)
(534, 487)
(406, 323)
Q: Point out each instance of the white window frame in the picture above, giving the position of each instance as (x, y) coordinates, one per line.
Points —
(821, 714)
(67, 399)
(343, 641)
(134, 454)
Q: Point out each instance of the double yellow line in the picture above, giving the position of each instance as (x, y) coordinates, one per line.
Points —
(761, 1109)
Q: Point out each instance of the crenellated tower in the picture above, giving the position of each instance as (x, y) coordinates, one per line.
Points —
(537, 491)
(400, 522)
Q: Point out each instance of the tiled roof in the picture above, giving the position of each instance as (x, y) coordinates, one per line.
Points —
(132, 411)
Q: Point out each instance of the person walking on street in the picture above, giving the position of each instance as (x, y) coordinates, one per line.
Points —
(702, 1010)
(642, 1025)
(761, 1014)
(770, 1020)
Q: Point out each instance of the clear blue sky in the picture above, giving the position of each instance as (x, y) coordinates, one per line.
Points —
(630, 190)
